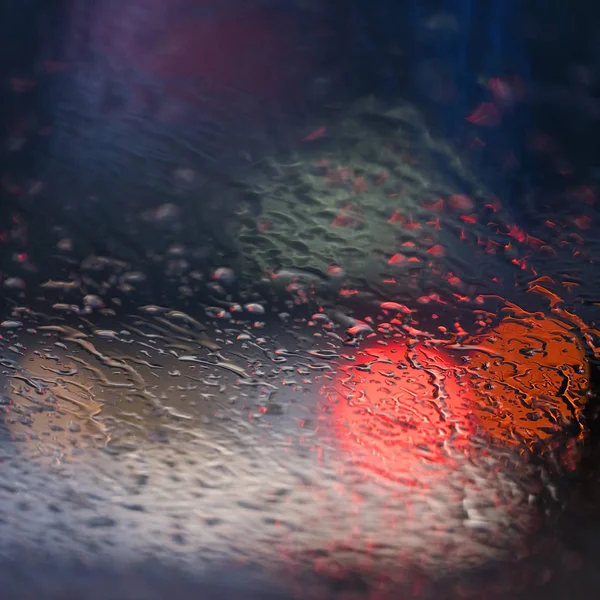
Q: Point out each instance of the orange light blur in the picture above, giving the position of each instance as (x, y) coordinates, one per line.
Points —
(519, 384)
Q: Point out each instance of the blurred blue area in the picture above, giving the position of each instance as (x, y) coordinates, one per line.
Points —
(442, 54)
(469, 43)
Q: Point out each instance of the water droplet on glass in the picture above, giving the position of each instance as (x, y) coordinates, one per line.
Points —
(105, 333)
(93, 301)
(133, 277)
(66, 245)
(255, 308)
(14, 283)
(224, 275)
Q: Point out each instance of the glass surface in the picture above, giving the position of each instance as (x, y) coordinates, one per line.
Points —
(299, 299)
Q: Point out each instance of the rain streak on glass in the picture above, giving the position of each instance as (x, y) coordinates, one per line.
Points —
(334, 350)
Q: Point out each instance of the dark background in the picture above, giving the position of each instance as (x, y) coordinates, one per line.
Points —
(88, 87)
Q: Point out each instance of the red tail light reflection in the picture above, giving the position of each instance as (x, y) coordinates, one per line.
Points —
(398, 407)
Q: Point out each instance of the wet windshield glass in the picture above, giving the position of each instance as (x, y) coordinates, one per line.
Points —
(299, 299)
